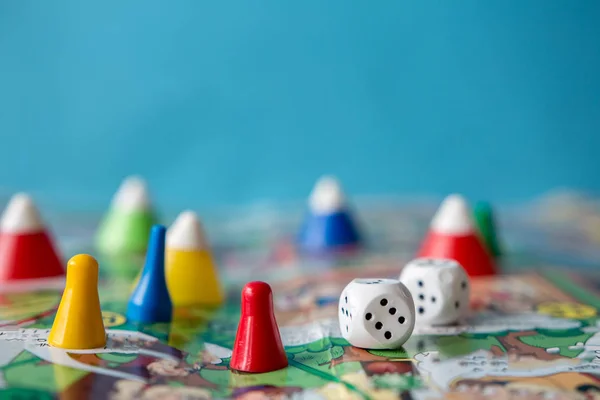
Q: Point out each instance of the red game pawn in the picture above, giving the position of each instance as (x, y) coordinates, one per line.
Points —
(258, 346)
(453, 236)
(26, 250)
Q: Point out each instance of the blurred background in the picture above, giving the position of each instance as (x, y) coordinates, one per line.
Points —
(240, 102)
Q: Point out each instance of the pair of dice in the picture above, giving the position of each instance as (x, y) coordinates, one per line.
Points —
(381, 313)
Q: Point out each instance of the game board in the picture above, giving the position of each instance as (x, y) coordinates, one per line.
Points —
(530, 333)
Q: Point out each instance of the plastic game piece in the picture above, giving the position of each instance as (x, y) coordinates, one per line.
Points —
(78, 323)
(452, 235)
(486, 224)
(329, 223)
(150, 301)
(190, 270)
(126, 226)
(26, 249)
(258, 346)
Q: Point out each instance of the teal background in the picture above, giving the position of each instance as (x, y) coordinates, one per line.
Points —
(227, 102)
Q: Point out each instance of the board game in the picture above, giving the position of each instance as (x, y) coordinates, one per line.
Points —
(533, 332)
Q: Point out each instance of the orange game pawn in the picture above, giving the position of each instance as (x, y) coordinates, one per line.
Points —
(26, 249)
(258, 346)
(453, 236)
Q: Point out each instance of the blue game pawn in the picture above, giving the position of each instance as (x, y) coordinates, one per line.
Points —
(150, 301)
(328, 225)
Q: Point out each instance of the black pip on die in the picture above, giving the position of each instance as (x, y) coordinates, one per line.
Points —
(376, 313)
(440, 289)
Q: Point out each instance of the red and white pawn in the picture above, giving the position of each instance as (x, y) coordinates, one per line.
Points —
(258, 347)
(452, 235)
(27, 252)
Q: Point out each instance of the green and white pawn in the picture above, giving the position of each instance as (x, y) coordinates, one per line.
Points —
(486, 224)
(125, 228)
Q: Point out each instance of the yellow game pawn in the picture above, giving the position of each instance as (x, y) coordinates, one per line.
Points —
(78, 322)
(190, 271)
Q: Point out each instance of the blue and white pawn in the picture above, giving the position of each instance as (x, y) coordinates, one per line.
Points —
(150, 301)
(329, 224)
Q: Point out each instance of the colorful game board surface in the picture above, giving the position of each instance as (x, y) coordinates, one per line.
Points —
(533, 332)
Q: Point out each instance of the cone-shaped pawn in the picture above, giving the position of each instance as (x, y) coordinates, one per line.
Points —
(26, 249)
(78, 322)
(191, 273)
(257, 346)
(452, 235)
(486, 224)
(150, 301)
(329, 223)
(126, 226)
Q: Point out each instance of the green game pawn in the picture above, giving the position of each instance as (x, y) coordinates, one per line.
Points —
(125, 229)
(484, 218)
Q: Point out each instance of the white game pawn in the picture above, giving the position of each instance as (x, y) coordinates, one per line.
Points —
(132, 195)
(440, 289)
(327, 196)
(376, 313)
(21, 216)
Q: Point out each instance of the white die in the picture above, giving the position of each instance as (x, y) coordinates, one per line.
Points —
(376, 313)
(440, 289)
